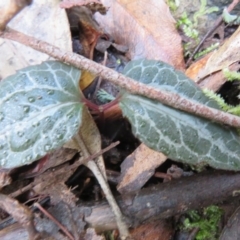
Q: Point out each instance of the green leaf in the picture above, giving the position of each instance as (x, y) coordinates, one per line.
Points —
(40, 110)
(179, 135)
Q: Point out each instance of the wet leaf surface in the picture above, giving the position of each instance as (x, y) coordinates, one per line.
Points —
(179, 135)
(40, 110)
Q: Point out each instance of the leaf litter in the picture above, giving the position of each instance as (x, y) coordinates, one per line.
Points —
(176, 61)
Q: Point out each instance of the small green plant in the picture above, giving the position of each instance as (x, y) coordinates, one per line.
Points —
(173, 4)
(207, 222)
(229, 18)
(187, 26)
(206, 51)
(104, 96)
(190, 26)
(203, 10)
(230, 76)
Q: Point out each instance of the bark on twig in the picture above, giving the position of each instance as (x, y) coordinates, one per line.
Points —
(170, 99)
(10, 9)
(167, 199)
(20, 213)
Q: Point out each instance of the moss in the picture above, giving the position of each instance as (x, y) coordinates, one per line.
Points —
(207, 222)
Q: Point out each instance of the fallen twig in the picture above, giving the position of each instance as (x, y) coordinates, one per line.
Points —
(20, 213)
(170, 99)
(66, 168)
(64, 229)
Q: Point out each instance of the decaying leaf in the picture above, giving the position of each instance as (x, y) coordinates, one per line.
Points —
(53, 159)
(93, 5)
(225, 56)
(86, 79)
(43, 19)
(138, 167)
(159, 229)
(145, 27)
(82, 23)
(88, 140)
(40, 110)
(179, 135)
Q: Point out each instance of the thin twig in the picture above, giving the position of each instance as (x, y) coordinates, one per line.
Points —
(67, 168)
(218, 22)
(20, 213)
(100, 174)
(64, 229)
(10, 9)
(170, 99)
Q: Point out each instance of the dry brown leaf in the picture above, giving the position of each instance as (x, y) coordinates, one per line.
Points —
(92, 235)
(196, 67)
(138, 167)
(57, 157)
(45, 20)
(222, 58)
(146, 27)
(216, 80)
(157, 230)
(89, 138)
(52, 183)
(94, 5)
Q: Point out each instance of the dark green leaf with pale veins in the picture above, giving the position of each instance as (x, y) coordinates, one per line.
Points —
(179, 135)
(40, 110)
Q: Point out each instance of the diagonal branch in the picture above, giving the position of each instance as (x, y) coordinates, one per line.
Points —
(170, 99)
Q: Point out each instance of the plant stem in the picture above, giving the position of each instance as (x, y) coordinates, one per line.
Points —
(102, 179)
(170, 99)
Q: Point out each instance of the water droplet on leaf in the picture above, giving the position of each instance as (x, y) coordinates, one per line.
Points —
(47, 147)
(31, 99)
(20, 134)
(35, 124)
(59, 136)
(26, 109)
(1, 116)
(50, 92)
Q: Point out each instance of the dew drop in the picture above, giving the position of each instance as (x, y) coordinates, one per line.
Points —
(31, 99)
(59, 136)
(50, 92)
(47, 119)
(20, 134)
(35, 124)
(47, 147)
(39, 97)
(27, 141)
(26, 109)
(46, 79)
(75, 125)
(69, 116)
(1, 146)
(28, 158)
(1, 116)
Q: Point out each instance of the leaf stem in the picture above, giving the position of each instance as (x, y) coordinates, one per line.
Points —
(170, 99)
